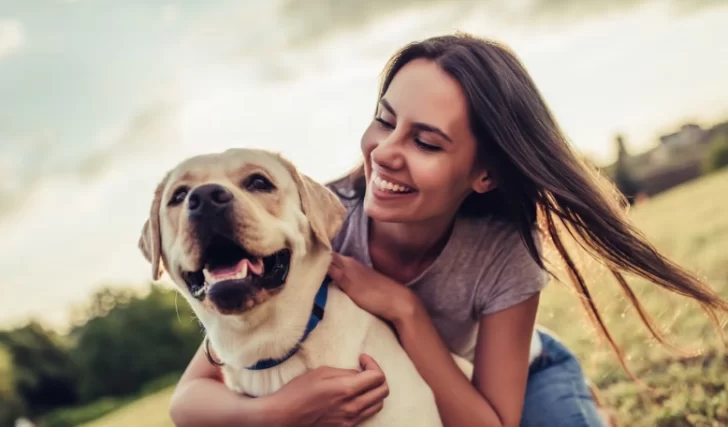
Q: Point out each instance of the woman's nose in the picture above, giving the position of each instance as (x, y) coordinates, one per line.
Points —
(388, 153)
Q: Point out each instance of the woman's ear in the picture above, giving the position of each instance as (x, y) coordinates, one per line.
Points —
(483, 183)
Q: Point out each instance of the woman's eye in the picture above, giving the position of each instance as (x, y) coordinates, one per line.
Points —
(178, 196)
(384, 123)
(426, 146)
(258, 183)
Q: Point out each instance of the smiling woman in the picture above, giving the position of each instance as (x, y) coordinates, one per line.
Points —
(460, 122)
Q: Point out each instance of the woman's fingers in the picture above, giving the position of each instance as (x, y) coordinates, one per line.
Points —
(336, 274)
(337, 260)
(368, 363)
(370, 378)
(368, 412)
(328, 372)
(371, 397)
(360, 383)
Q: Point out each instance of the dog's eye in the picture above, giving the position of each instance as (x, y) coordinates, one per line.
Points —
(258, 182)
(178, 196)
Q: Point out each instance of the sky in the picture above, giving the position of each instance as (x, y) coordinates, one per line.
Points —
(99, 98)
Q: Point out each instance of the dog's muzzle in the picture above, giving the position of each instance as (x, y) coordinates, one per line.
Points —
(233, 278)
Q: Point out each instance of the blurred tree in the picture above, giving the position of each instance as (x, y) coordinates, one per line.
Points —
(11, 405)
(128, 341)
(622, 175)
(43, 372)
(717, 157)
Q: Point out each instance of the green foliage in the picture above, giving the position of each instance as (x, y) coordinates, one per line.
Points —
(125, 346)
(717, 157)
(44, 373)
(129, 340)
(11, 406)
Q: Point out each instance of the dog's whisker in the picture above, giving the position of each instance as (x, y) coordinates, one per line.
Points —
(176, 307)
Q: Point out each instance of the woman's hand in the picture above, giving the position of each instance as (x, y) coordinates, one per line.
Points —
(371, 290)
(322, 397)
(332, 397)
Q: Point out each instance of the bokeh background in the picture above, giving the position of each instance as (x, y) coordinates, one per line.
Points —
(98, 98)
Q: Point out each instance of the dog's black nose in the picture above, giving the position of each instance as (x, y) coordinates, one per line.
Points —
(208, 198)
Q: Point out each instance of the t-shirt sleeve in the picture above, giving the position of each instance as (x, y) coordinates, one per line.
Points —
(338, 240)
(512, 277)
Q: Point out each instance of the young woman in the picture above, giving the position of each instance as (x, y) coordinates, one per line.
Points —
(464, 169)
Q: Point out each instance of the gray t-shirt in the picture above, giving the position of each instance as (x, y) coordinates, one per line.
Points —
(484, 268)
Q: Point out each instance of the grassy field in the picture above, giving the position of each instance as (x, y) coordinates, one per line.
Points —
(690, 224)
(149, 411)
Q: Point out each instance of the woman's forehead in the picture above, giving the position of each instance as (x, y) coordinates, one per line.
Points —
(421, 91)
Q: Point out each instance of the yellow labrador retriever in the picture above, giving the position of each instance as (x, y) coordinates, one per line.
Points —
(246, 238)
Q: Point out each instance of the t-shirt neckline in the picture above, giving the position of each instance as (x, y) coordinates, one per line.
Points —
(449, 246)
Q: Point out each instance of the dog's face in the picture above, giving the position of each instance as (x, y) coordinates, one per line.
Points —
(227, 226)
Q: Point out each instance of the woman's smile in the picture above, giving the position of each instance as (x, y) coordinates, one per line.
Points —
(386, 188)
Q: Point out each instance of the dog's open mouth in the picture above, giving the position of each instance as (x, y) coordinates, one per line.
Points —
(226, 261)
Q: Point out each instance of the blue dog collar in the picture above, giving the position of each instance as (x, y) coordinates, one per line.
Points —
(317, 314)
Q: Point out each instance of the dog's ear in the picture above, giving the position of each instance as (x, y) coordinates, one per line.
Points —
(322, 207)
(150, 241)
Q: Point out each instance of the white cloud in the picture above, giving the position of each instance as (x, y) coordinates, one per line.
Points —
(170, 14)
(12, 37)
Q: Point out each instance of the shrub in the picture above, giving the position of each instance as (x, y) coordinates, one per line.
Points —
(717, 157)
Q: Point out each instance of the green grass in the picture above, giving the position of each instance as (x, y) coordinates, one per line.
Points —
(689, 224)
(149, 411)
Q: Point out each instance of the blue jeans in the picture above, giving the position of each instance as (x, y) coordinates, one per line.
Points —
(557, 394)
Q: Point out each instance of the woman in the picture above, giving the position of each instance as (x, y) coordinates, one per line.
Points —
(461, 159)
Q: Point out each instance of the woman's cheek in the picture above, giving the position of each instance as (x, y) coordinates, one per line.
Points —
(368, 141)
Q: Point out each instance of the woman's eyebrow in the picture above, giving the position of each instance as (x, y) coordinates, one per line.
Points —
(417, 125)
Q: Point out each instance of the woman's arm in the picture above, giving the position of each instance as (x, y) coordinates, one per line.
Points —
(325, 397)
(495, 396)
(201, 398)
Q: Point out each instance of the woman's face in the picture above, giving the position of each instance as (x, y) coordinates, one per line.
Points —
(419, 152)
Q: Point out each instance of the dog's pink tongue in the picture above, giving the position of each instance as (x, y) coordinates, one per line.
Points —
(255, 267)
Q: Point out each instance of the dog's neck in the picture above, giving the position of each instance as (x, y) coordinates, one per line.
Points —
(275, 329)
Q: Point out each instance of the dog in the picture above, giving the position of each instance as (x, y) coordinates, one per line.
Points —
(247, 240)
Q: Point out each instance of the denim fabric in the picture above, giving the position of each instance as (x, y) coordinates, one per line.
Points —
(557, 394)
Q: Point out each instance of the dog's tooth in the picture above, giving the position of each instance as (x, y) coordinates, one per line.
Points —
(243, 273)
(201, 290)
(209, 278)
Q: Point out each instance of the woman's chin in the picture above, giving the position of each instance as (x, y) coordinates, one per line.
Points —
(388, 211)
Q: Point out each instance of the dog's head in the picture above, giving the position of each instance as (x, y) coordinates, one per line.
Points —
(227, 226)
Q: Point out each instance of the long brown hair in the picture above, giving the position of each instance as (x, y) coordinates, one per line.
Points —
(540, 180)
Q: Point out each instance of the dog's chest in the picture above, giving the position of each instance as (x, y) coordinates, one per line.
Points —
(262, 382)
(336, 342)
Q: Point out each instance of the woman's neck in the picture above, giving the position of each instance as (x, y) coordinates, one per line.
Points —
(403, 250)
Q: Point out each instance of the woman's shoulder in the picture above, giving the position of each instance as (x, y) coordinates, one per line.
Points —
(499, 258)
(497, 236)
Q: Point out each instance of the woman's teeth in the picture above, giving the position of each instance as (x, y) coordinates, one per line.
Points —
(389, 186)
